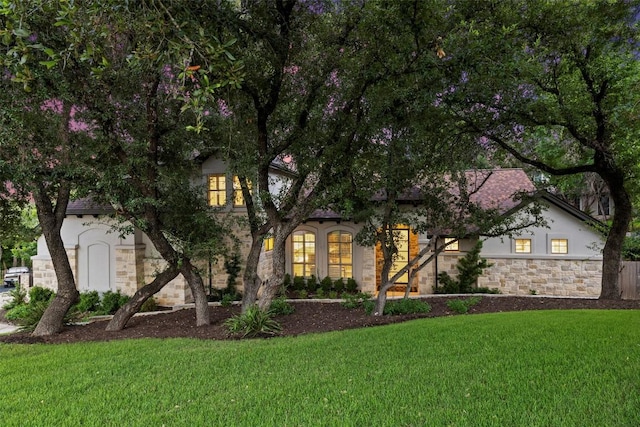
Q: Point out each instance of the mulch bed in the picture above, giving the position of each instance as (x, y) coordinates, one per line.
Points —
(309, 317)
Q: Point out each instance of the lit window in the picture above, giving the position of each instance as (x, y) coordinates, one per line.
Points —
(268, 244)
(217, 190)
(523, 246)
(401, 260)
(451, 244)
(340, 247)
(559, 246)
(238, 198)
(304, 254)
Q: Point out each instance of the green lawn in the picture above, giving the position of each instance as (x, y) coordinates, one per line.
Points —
(545, 368)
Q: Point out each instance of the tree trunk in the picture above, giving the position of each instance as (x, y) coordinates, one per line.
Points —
(127, 311)
(197, 289)
(612, 252)
(270, 290)
(51, 219)
(250, 280)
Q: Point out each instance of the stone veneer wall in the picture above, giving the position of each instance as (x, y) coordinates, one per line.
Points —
(45, 276)
(129, 270)
(521, 276)
(557, 277)
(175, 292)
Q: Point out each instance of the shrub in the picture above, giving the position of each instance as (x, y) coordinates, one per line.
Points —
(312, 284)
(28, 315)
(351, 285)
(18, 297)
(332, 295)
(280, 307)
(338, 285)
(299, 283)
(406, 306)
(111, 302)
(252, 323)
(149, 305)
(286, 282)
(469, 269)
(462, 306)
(355, 300)
(326, 284)
(303, 294)
(401, 306)
(320, 293)
(89, 301)
(227, 300)
(40, 294)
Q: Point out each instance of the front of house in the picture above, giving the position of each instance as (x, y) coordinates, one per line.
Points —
(562, 260)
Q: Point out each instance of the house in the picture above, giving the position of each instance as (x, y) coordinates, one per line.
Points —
(563, 259)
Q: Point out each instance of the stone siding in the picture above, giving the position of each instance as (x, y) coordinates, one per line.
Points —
(556, 277)
(175, 292)
(45, 276)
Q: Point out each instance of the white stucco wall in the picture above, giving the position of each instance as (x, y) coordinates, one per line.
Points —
(583, 241)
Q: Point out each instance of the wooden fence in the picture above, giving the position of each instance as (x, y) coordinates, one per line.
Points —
(630, 279)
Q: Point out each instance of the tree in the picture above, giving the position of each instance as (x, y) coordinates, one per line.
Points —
(554, 85)
(95, 82)
(44, 149)
(314, 70)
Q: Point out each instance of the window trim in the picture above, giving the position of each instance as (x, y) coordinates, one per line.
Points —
(515, 245)
(340, 263)
(219, 178)
(304, 264)
(550, 240)
(454, 247)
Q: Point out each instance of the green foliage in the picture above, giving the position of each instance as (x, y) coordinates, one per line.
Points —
(232, 266)
(303, 294)
(40, 294)
(28, 315)
(312, 284)
(469, 268)
(112, 301)
(89, 301)
(631, 248)
(320, 293)
(462, 306)
(338, 285)
(351, 285)
(18, 297)
(227, 300)
(355, 300)
(286, 282)
(400, 306)
(280, 307)
(326, 284)
(149, 305)
(332, 294)
(299, 283)
(253, 323)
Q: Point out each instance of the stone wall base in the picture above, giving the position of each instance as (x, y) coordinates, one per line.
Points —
(554, 277)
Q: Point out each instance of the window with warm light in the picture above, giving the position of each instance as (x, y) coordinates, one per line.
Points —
(268, 244)
(523, 246)
(238, 198)
(559, 246)
(402, 256)
(340, 248)
(217, 190)
(451, 244)
(304, 253)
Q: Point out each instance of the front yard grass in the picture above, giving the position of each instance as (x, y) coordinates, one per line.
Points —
(544, 368)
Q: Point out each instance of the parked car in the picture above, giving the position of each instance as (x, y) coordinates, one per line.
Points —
(12, 275)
